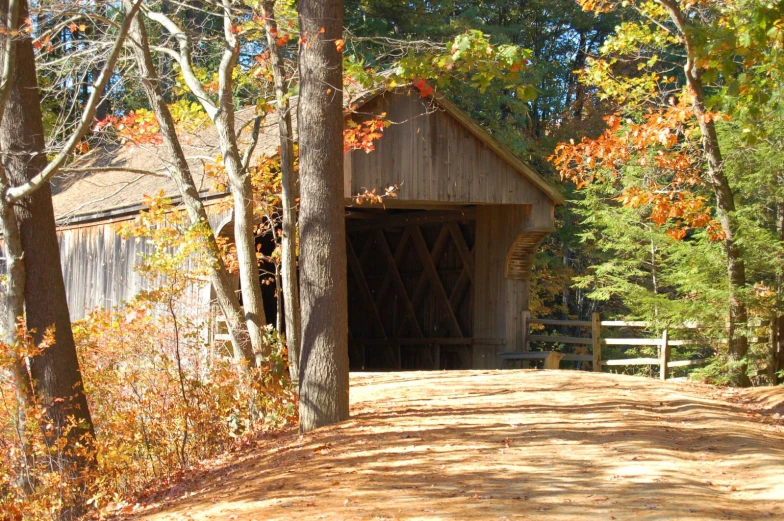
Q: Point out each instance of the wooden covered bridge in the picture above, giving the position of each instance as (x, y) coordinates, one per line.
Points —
(438, 276)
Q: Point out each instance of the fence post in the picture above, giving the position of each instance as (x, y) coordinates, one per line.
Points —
(525, 325)
(596, 342)
(772, 358)
(664, 355)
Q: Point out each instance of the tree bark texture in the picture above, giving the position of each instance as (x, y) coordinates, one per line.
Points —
(324, 358)
(288, 240)
(12, 240)
(776, 362)
(55, 372)
(725, 201)
(242, 191)
(181, 174)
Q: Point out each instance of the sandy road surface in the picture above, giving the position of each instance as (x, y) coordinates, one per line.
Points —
(489, 445)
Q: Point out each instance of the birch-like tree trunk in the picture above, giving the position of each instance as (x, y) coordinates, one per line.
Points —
(222, 115)
(288, 240)
(324, 359)
(181, 174)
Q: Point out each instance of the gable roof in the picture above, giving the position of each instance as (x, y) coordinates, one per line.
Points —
(129, 173)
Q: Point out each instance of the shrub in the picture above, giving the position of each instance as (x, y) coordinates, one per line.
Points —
(160, 397)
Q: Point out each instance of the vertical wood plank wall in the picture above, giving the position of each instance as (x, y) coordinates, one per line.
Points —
(98, 267)
(434, 158)
(499, 301)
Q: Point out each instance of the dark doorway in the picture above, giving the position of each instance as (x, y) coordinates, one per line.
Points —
(410, 286)
(265, 246)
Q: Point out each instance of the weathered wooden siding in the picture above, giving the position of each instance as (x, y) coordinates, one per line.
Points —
(499, 301)
(98, 267)
(434, 158)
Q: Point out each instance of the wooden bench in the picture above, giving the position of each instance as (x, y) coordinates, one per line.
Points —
(552, 359)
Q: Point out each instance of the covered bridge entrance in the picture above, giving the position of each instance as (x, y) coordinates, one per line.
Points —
(438, 276)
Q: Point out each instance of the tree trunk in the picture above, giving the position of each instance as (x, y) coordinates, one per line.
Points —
(181, 174)
(241, 188)
(245, 241)
(324, 359)
(56, 375)
(725, 202)
(725, 208)
(12, 240)
(776, 363)
(222, 116)
(288, 240)
(780, 349)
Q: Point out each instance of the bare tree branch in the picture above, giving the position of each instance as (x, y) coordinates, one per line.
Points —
(16, 193)
(184, 60)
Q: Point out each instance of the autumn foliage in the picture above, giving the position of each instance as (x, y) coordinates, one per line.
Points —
(662, 144)
(161, 394)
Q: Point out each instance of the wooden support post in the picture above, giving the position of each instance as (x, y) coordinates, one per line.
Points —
(664, 355)
(596, 341)
(525, 326)
(436, 356)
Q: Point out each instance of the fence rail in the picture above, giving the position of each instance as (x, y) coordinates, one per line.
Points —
(596, 342)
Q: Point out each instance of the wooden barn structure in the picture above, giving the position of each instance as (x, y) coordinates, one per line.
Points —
(438, 276)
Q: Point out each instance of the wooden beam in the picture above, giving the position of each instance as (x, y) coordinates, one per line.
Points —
(490, 341)
(596, 342)
(640, 323)
(625, 323)
(664, 355)
(463, 284)
(394, 275)
(364, 289)
(552, 322)
(466, 255)
(631, 341)
(398, 220)
(560, 339)
(568, 357)
(413, 341)
(438, 247)
(686, 363)
(435, 281)
(393, 262)
(633, 361)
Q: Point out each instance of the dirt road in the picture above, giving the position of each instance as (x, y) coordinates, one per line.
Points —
(489, 445)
